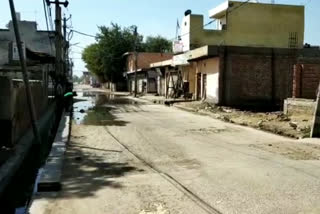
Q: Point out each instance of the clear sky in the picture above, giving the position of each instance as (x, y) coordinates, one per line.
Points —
(153, 17)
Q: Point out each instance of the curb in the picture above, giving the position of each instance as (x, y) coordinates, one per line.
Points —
(49, 182)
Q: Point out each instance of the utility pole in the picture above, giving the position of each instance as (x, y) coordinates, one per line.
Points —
(315, 129)
(23, 64)
(65, 46)
(135, 61)
(58, 40)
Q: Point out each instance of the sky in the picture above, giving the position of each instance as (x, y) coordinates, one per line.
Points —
(153, 17)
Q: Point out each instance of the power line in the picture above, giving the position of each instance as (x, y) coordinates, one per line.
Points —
(47, 23)
(84, 34)
(199, 28)
(75, 52)
(79, 46)
(212, 21)
(50, 16)
(45, 14)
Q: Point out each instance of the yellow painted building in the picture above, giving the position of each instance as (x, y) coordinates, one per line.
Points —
(246, 24)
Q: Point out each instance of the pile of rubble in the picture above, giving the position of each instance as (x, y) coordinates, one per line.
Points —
(295, 126)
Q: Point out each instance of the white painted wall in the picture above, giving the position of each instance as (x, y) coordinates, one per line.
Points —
(185, 32)
(211, 68)
(213, 87)
(221, 22)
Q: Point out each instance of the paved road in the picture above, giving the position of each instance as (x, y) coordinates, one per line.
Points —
(146, 158)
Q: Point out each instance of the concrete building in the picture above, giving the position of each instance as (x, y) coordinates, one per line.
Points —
(255, 57)
(34, 40)
(176, 77)
(245, 24)
(39, 53)
(255, 77)
(147, 78)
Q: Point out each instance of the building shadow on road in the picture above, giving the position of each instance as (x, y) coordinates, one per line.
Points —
(85, 172)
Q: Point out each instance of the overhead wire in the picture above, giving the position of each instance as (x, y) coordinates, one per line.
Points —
(211, 21)
(199, 28)
(47, 24)
(84, 34)
(49, 8)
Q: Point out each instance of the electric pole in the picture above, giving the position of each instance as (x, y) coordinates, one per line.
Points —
(23, 64)
(135, 61)
(315, 129)
(59, 37)
(65, 47)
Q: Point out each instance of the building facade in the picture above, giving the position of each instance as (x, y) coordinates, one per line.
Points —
(147, 78)
(255, 56)
(245, 24)
(39, 53)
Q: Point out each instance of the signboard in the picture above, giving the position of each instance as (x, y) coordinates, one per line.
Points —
(177, 47)
(181, 59)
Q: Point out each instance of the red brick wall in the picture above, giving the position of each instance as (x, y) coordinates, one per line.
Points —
(296, 86)
(310, 77)
(248, 79)
(283, 66)
(257, 80)
(265, 76)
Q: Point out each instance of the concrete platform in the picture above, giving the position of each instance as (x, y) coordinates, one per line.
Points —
(50, 177)
(58, 149)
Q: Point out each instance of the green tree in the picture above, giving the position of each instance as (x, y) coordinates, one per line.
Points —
(92, 56)
(158, 44)
(105, 58)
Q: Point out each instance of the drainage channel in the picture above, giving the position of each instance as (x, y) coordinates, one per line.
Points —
(18, 193)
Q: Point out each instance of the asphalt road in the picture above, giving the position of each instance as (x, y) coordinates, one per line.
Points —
(137, 157)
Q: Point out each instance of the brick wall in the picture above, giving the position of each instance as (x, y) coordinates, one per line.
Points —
(259, 79)
(306, 80)
(248, 79)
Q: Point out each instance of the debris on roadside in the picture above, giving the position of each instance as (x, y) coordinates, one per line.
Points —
(294, 126)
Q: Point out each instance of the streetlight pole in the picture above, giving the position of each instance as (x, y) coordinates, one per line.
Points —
(135, 61)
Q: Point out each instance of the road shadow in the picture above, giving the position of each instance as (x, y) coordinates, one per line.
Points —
(87, 170)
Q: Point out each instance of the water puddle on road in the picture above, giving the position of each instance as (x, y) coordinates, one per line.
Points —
(96, 110)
